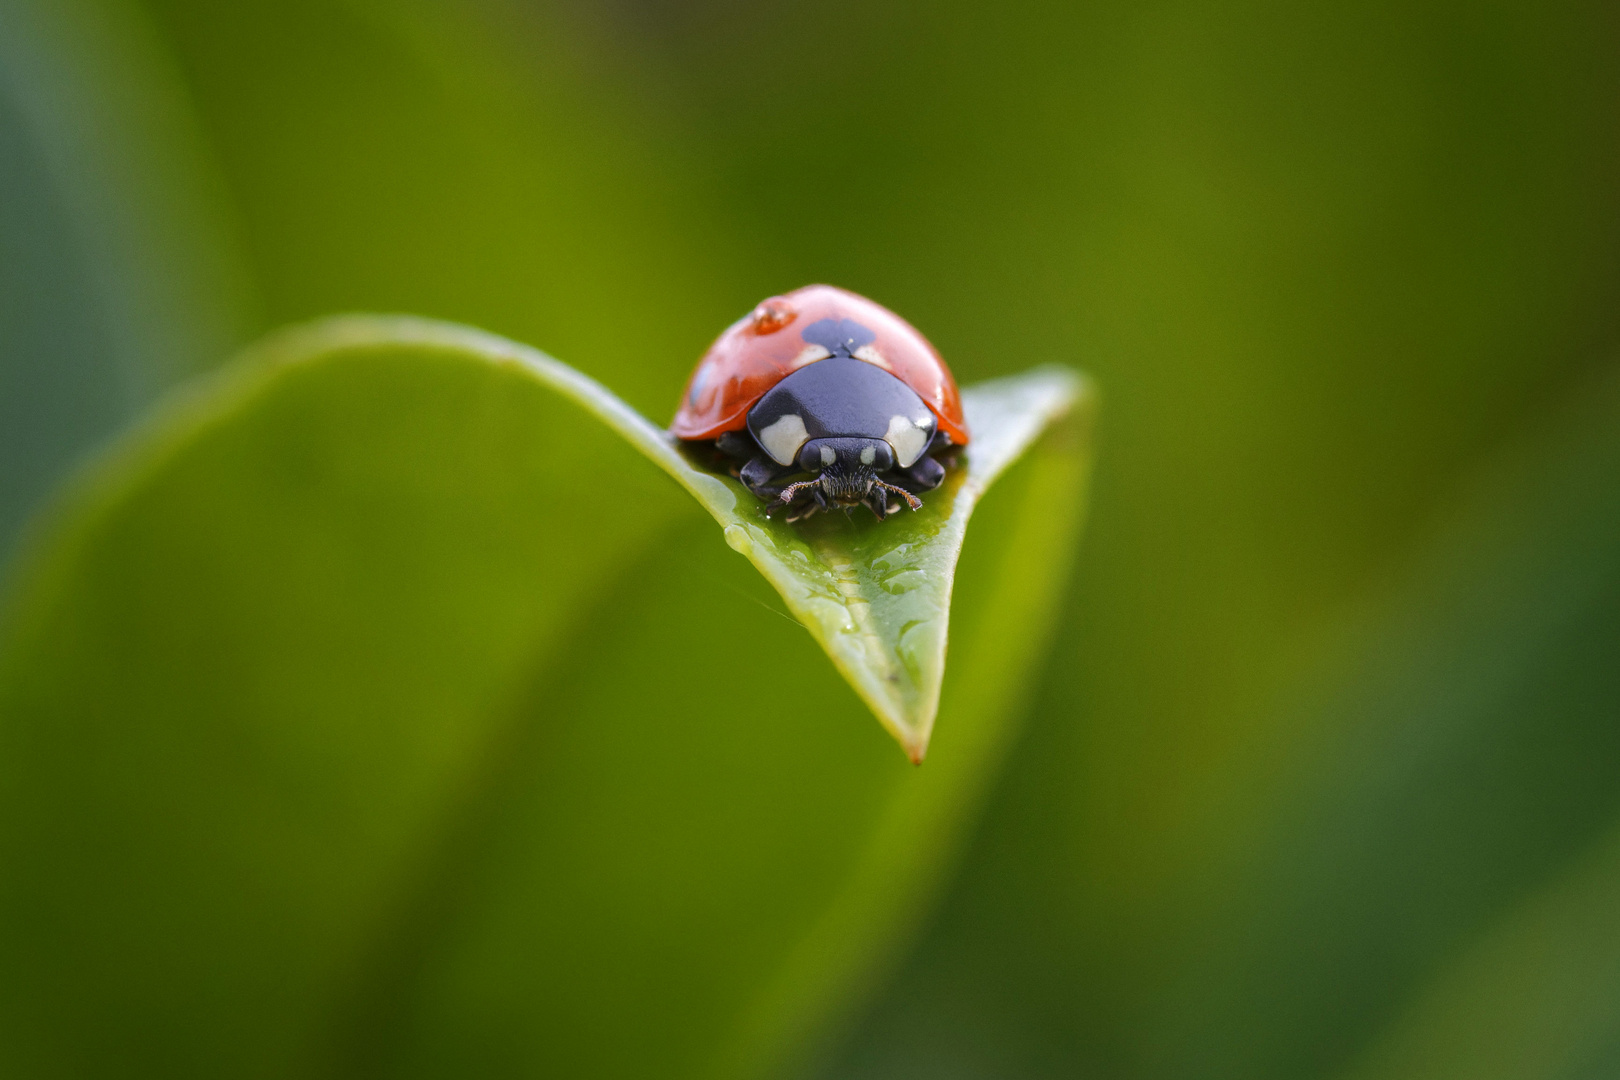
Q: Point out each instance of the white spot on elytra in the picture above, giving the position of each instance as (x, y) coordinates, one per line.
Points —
(909, 440)
(810, 355)
(783, 438)
(827, 455)
(868, 455)
(870, 354)
(700, 382)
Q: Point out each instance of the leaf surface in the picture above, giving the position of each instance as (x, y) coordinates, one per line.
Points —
(876, 595)
(382, 708)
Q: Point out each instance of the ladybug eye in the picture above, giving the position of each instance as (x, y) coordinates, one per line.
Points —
(772, 315)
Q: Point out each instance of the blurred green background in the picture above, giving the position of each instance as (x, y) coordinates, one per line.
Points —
(1321, 777)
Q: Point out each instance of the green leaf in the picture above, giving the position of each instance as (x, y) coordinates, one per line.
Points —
(381, 707)
(876, 595)
(1457, 756)
(1537, 997)
(118, 274)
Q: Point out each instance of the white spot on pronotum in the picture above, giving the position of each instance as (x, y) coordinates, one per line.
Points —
(909, 440)
(783, 438)
(870, 354)
(827, 455)
(810, 355)
(868, 455)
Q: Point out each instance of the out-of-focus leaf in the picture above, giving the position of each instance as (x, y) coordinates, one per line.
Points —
(1538, 998)
(383, 708)
(118, 271)
(1463, 754)
(415, 157)
(1322, 257)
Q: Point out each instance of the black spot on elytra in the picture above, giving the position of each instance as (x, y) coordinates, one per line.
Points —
(841, 337)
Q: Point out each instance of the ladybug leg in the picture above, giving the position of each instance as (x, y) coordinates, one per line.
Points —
(808, 508)
(798, 509)
(736, 444)
(925, 474)
(784, 500)
(878, 499)
(942, 450)
(761, 473)
(878, 502)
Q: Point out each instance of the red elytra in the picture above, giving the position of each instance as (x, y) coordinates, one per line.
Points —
(761, 349)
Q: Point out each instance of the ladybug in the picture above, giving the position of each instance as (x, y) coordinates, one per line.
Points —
(822, 399)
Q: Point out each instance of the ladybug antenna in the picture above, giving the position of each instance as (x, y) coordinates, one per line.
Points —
(791, 492)
(911, 500)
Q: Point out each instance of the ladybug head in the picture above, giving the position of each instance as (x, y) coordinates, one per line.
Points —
(846, 470)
